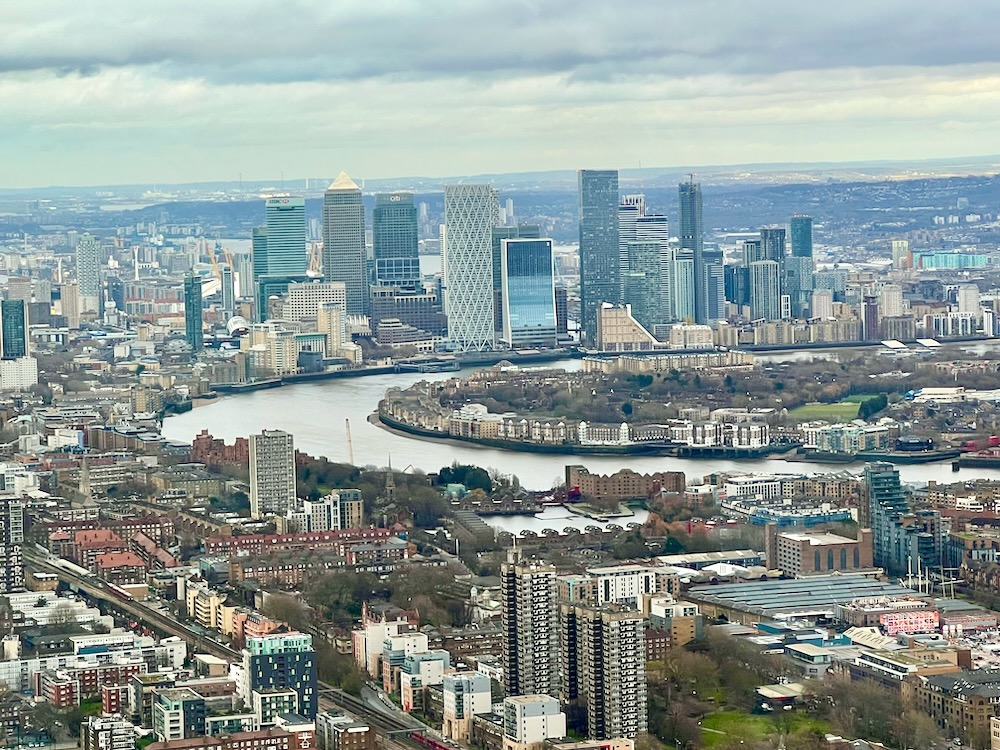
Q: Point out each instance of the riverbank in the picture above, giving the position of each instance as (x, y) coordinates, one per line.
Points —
(578, 449)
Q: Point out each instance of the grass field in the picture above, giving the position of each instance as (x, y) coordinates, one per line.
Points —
(726, 726)
(843, 411)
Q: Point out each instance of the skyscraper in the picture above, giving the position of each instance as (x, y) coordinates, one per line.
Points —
(600, 269)
(344, 257)
(394, 240)
(528, 293)
(272, 473)
(765, 290)
(870, 317)
(772, 243)
(524, 231)
(193, 326)
(684, 286)
(802, 236)
(285, 218)
(691, 236)
(283, 661)
(715, 285)
(228, 292)
(88, 273)
(470, 213)
(656, 227)
(13, 329)
(258, 245)
(642, 282)
(530, 627)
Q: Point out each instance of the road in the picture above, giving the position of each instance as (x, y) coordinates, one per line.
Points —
(385, 721)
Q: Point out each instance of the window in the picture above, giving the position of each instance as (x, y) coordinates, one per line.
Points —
(843, 559)
(829, 559)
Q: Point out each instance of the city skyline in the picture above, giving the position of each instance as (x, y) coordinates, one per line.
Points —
(913, 94)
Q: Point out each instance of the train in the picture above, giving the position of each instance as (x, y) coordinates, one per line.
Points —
(71, 568)
(118, 591)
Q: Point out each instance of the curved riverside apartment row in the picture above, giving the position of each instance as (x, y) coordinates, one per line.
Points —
(417, 411)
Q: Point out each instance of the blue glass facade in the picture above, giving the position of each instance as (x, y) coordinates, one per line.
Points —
(394, 241)
(528, 291)
(14, 321)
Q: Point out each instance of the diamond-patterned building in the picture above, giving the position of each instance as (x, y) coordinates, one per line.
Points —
(470, 213)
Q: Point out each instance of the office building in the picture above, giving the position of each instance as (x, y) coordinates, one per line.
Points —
(642, 282)
(284, 239)
(303, 299)
(628, 215)
(967, 299)
(772, 244)
(228, 292)
(802, 236)
(272, 473)
(11, 541)
(715, 285)
(528, 293)
(244, 272)
(530, 624)
(654, 227)
(394, 241)
(603, 651)
(737, 285)
(282, 662)
(13, 329)
(470, 213)
(797, 283)
(765, 290)
(193, 326)
(692, 238)
(344, 255)
(684, 286)
(600, 269)
(421, 310)
(88, 273)
(499, 234)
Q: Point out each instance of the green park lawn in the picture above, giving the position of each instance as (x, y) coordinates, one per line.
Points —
(840, 412)
(726, 726)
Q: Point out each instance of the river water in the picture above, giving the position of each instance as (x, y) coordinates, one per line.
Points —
(317, 413)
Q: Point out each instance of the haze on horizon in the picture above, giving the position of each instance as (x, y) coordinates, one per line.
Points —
(111, 92)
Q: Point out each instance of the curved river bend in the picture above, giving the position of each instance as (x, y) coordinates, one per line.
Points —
(315, 414)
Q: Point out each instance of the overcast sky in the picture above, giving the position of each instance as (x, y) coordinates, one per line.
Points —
(103, 91)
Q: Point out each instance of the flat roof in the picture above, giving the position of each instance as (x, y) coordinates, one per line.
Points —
(819, 538)
(780, 599)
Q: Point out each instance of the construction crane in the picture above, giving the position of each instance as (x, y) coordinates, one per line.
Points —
(315, 259)
(350, 444)
(211, 257)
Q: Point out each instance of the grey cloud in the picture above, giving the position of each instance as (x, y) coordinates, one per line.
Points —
(244, 41)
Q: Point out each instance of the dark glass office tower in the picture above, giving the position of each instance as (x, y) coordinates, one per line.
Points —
(772, 241)
(192, 313)
(521, 231)
(14, 328)
(802, 236)
(691, 235)
(600, 277)
(394, 239)
(528, 293)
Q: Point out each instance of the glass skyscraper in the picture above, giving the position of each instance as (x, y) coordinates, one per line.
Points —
(394, 240)
(13, 328)
(525, 231)
(802, 236)
(691, 237)
(528, 293)
(286, 238)
(344, 255)
(192, 313)
(470, 213)
(642, 282)
(600, 268)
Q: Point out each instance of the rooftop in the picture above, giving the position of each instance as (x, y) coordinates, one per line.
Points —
(820, 538)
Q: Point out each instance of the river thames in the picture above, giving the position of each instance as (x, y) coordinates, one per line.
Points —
(316, 414)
